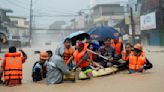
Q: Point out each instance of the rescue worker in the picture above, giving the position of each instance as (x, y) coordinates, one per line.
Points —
(125, 57)
(56, 70)
(118, 46)
(1, 72)
(12, 66)
(126, 53)
(66, 52)
(137, 61)
(82, 58)
(40, 67)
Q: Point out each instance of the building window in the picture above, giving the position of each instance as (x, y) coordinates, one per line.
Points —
(26, 22)
(162, 4)
(136, 7)
(15, 37)
(14, 22)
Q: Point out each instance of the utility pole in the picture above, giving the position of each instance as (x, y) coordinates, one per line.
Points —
(132, 25)
(31, 19)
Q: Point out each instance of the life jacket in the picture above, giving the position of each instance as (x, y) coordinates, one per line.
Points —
(86, 45)
(125, 55)
(117, 46)
(90, 57)
(90, 54)
(67, 54)
(13, 66)
(135, 62)
(79, 55)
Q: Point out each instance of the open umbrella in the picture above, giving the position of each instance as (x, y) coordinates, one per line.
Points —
(99, 33)
(79, 35)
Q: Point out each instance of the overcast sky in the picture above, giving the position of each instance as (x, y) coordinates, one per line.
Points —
(48, 7)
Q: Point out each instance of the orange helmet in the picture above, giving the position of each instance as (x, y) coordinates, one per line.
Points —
(43, 55)
(138, 46)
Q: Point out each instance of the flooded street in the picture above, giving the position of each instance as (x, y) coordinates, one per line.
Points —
(150, 81)
(117, 25)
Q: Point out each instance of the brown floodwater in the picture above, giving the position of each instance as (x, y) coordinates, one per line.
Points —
(150, 81)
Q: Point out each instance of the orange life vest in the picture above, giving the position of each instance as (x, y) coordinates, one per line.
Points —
(125, 55)
(86, 45)
(90, 57)
(117, 46)
(135, 62)
(90, 54)
(79, 55)
(67, 54)
(13, 66)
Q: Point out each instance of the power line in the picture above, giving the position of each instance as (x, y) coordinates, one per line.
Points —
(51, 12)
(48, 13)
(20, 1)
(57, 29)
(15, 4)
(55, 15)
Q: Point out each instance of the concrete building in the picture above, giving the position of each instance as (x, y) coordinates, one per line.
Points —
(152, 22)
(132, 10)
(107, 14)
(4, 21)
(18, 31)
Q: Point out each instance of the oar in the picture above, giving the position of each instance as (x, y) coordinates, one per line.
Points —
(98, 54)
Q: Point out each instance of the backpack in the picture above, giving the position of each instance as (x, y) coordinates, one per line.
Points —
(36, 75)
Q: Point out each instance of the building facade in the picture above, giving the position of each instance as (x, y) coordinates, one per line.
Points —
(4, 21)
(18, 31)
(132, 32)
(107, 14)
(152, 22)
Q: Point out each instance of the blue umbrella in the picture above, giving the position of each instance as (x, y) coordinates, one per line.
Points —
(99, 33)
(79, 35)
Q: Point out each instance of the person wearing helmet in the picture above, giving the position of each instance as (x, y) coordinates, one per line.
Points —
(39, 68)
(138, 61)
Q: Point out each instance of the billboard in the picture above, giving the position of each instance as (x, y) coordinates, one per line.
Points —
(148, 21)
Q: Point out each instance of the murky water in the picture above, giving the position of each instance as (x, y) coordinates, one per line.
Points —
(150, 81)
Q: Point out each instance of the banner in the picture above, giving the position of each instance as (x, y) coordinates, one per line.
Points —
(148, 21)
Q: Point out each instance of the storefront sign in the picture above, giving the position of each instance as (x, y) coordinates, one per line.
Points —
(148, 21)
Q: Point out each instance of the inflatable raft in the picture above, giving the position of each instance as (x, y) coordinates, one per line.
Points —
(100, 72)
(82, 76)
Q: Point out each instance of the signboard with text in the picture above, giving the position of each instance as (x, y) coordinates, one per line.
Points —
(148, 21)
